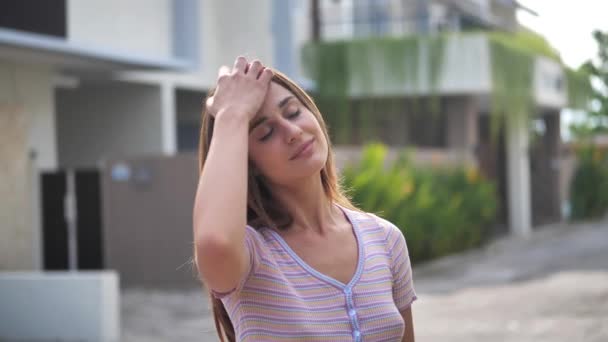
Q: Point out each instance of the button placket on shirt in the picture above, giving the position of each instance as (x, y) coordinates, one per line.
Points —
(352, 314)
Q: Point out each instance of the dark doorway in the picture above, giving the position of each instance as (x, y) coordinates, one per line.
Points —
(88, 204)
(544, 169)
(88, 223)
(54, 225)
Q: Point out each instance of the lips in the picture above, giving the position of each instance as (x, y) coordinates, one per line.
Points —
(301, 148)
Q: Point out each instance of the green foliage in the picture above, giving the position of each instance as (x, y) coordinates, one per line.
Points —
(589, 187)
(526, 41)
(596, 72)
(579, 88)
(512, 71)
(343, 69)
(440, 211)
(336, 66)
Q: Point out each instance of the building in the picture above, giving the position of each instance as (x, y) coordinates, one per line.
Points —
(88, 91)
(457, 54)
(85, 82)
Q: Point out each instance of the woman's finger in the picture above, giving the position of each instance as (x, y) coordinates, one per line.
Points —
(240, 65)
(224, 70)
(266, 75)
(254, 68)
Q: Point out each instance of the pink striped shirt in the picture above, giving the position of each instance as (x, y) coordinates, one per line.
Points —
(283, 299)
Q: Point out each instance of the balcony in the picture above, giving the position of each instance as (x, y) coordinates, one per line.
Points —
(75, 36)
(443, 64)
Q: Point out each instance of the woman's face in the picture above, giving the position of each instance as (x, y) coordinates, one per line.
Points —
(286, 142)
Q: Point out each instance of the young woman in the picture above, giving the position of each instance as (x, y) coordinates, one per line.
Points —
(283, 252)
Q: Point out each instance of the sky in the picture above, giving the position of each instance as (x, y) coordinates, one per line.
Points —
(568, 25)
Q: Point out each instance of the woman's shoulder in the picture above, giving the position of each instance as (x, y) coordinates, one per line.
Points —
(372, 222)
(260, 234)
(258, 239)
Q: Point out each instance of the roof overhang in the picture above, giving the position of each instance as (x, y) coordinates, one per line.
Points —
(23, 47)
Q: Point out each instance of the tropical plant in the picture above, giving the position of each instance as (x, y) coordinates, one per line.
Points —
(589, 187)
(440, 211)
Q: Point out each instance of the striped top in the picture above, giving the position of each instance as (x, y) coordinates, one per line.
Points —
(283, 299)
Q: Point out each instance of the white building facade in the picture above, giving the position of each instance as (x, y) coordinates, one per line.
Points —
(85, 81)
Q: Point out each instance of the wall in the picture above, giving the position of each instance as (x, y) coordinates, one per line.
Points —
(232, 28)
(104, 120)
(550, 85)
(461, 116)
(59, 306)
(27, 145)
(465, 69)
(424, 157)
(223, 34)
(141, 27)
(147, 216)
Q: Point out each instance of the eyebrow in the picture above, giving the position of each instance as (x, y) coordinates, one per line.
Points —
(261, 120)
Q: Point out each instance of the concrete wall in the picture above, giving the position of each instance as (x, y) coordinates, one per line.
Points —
(426, 157)
(465, 69)
(141, 27)
(302, 31)
(246, 31)
(567, 167)
(59, 306)
(232, 28)
(224, 33)
(461, 115)
(104, 120)
(338, 19)
(550, 88)
(147, 216)
(27, 145)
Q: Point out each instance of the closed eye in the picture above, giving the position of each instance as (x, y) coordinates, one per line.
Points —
(290, 116)
(267, 135)
(294, 114)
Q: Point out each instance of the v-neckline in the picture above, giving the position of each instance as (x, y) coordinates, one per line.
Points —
(322, 276)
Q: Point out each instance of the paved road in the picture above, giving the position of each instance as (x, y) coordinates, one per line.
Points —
(550, 287)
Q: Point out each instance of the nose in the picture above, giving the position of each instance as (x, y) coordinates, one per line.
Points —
(293, 132)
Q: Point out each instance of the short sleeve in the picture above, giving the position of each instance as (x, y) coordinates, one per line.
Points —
(252, 245)
(403, 285)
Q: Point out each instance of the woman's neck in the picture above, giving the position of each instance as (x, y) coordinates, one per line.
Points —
(308, 205)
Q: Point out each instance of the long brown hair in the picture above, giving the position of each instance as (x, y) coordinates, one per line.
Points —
(262, 209)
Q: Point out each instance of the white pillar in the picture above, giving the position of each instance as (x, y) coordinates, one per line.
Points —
(518, 177)
(169, 118)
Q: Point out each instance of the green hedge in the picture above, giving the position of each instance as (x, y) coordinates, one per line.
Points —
(440, 211)
(589, 187)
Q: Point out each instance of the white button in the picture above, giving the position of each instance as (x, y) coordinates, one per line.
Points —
(347, 290)
(357, 333)
(352, 312)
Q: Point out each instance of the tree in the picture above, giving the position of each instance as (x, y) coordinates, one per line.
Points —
(596, 120)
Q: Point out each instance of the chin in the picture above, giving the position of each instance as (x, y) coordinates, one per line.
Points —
(306, 170)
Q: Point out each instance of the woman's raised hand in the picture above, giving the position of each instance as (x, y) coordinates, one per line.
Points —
(240, 90)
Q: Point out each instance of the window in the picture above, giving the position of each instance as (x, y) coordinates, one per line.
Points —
(44, 17)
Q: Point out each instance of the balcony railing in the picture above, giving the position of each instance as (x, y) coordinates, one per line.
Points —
(379, 26)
